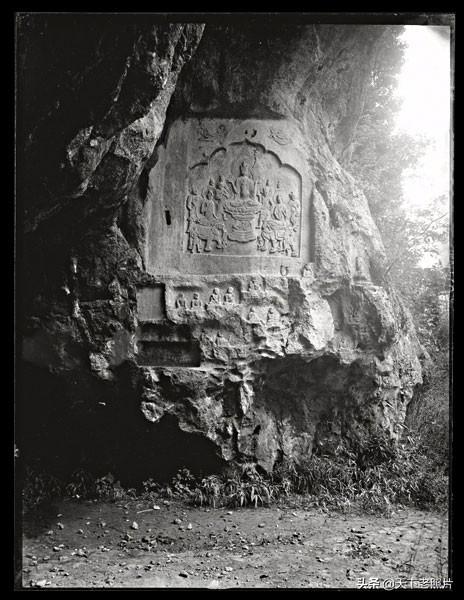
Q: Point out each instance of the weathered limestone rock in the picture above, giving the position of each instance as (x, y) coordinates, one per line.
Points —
(101, 109)
(240, 276)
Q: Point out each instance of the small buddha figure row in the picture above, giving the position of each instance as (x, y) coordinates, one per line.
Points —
(255, 284)
(306, 272)
(216, 298)
(272, 318)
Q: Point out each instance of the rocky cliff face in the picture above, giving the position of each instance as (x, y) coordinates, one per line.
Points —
(201, 283)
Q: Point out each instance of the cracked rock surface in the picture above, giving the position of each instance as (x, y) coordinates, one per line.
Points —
(279, 352)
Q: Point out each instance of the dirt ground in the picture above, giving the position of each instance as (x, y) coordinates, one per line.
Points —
(132, 544)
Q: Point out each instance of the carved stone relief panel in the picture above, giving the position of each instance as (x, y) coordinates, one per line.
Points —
(229, 196)
(243, 202)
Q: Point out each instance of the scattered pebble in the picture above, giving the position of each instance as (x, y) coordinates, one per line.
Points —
(134, 525)
(228, 569)
(183, 574)
(156, 507)
(189, 526)
(261, 525)
(60, 525)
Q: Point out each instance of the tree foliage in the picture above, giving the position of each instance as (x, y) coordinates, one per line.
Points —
(416, 243)
(414, 239)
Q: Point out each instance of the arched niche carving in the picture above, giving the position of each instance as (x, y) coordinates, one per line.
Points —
(238, 195)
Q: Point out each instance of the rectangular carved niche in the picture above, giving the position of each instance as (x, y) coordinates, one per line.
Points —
(150, 303)
(169, 354)
(237, 194)
(166, 345)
